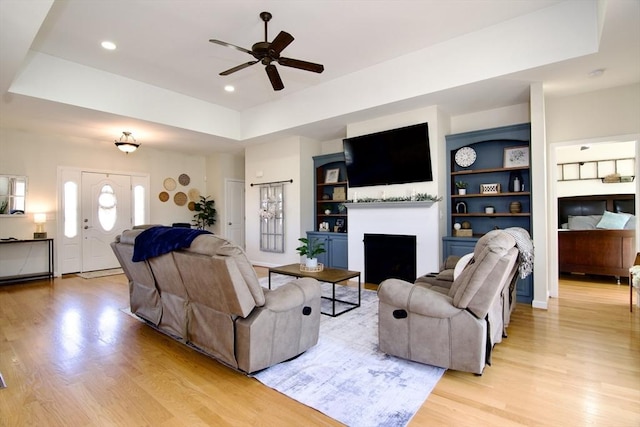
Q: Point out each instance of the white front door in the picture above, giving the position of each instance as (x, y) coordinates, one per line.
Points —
(234, 211)
(106, 212)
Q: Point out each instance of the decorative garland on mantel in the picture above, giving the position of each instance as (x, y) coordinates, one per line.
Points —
(419, 197)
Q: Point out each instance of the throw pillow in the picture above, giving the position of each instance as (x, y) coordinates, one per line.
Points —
(631, 223)
(613, 221)
(586, 222)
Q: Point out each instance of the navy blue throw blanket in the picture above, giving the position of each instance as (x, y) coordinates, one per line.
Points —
(156, 241)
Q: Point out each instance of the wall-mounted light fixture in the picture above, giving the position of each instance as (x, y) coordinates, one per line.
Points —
(40, 219)
(127, 143)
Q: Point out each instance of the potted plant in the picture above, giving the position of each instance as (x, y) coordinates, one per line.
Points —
(205, 215)
(310, 249)
(327, 209)
(462, 187)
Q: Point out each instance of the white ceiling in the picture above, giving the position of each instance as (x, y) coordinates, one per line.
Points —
(162, 81)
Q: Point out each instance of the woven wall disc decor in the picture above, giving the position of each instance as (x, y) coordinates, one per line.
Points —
(194, 194)
(169, 184)
(180, 198)
(192, 206)
(163, 196)
(184, 179)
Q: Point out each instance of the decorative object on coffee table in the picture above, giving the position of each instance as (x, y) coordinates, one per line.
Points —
(310, 248)
(318, 268)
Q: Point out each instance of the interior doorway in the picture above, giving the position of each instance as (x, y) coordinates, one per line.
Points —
(234, 211)
(554, 192)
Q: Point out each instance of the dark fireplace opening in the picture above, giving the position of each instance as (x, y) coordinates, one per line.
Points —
(389, 256)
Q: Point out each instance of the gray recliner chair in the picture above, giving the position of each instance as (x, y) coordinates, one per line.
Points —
(454, 329)
(443, 278)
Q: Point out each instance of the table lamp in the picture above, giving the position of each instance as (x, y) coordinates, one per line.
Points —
(40, 219)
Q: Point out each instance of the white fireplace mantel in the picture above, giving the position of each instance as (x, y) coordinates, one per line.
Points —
(383, 204)
(405, 218)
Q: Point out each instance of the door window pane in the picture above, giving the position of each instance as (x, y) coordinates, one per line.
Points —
(107, 207)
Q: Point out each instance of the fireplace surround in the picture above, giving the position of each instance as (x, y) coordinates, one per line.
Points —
(419, 219)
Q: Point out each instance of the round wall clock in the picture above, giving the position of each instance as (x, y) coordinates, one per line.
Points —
(465, 157)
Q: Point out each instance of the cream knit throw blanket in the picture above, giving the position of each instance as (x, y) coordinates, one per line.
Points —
(635, 270)
(525, 247)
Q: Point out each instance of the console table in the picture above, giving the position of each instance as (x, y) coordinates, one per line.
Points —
(48, 274)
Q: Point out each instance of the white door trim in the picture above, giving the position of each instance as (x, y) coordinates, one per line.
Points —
(139, 178)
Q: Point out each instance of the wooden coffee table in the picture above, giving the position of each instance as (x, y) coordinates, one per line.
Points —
(328, 275)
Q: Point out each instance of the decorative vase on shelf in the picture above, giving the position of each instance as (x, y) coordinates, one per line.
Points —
(327, 211)
(515, 207)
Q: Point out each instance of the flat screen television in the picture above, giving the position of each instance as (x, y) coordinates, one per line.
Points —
(396, 156)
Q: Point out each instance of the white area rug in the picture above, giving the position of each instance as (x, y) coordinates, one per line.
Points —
(100, 273)
(346, 377)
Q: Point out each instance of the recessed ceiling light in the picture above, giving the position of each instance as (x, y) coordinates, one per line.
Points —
(229, 88)
(108, 45)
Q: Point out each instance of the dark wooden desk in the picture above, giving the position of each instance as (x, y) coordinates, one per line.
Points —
(328, 275)
(30, 276)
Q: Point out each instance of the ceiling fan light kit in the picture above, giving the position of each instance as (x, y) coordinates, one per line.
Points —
(268, 53)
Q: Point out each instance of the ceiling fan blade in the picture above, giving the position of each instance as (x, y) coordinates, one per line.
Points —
(303, 65)
(274, 77)
(238, 68)
(281, 41)
(221, 43)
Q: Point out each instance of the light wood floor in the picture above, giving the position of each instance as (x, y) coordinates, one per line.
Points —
(70, 357)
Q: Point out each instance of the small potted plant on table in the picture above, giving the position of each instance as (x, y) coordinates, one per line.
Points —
(462, 187)
(311, 249)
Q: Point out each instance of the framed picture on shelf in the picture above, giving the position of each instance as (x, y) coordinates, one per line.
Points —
(515, 157)
(331, 176)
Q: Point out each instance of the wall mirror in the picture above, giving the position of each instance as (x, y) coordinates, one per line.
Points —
(13, 195)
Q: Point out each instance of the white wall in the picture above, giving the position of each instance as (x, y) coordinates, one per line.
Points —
(38, 157)
(289, 158)
(488, 119)
(602, 113)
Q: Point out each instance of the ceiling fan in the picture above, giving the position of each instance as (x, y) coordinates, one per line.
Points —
(267, 53)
